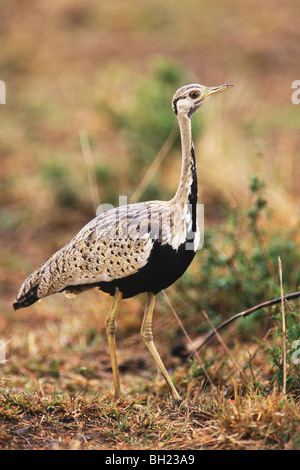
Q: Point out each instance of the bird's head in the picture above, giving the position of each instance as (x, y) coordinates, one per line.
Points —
(189, 98)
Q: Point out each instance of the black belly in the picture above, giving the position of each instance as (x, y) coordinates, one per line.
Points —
(164, 266)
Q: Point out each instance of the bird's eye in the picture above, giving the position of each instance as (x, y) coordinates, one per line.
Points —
(194, 94)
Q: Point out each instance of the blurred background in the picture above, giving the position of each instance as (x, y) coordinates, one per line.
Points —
(97, 78)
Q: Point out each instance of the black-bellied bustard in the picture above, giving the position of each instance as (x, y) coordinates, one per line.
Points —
(142, 247)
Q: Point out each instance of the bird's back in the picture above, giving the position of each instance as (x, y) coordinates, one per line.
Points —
(129, 247)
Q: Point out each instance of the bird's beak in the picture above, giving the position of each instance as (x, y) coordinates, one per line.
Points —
(215, 89)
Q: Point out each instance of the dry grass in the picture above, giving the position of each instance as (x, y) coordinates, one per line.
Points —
(74, 69)
(56, 388)
(35, 421)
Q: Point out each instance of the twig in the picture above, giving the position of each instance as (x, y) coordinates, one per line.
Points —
(187, 336)
(244, 314)
(283, 329)
(90, 168)
(262, 245)
(155, 165)
(225, 347)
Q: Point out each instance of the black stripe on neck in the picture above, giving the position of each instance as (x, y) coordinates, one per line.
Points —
(175, 105)
(193, 195)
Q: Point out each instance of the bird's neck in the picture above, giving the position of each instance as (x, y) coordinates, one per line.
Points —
(187, 192)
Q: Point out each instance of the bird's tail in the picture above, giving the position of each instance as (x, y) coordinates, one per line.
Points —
(47, 279)
(35, 287)
(29, 291)
(24, 300)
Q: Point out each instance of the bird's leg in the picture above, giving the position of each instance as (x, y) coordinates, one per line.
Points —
(147, 335)
(111, 328)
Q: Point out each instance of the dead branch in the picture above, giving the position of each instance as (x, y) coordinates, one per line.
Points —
(244, 314)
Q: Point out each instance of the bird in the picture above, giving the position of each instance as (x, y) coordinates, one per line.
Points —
(142, 247)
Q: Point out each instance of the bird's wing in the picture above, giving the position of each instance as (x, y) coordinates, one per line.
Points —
(113, 245)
